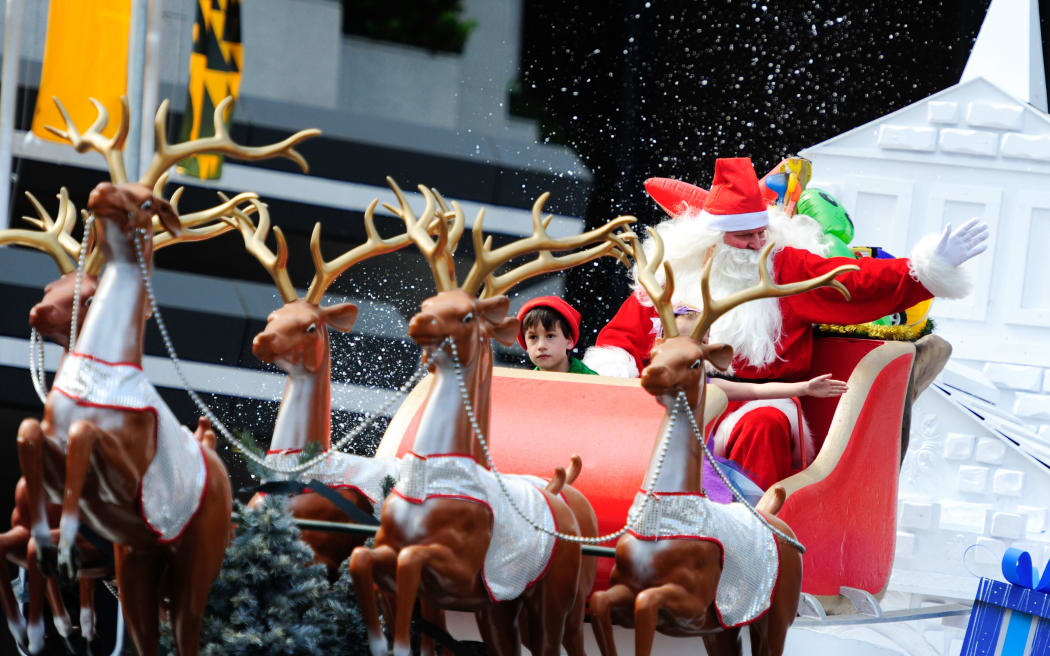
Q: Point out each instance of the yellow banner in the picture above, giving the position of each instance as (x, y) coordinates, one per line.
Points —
(85, 56)
(215, 73)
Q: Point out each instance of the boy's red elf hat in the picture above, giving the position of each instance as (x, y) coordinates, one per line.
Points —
(558, 305)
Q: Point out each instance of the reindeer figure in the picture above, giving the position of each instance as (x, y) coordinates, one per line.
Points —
(296, 340)
(108, 446)
(449, 535)
(691, 567)
(51, 318)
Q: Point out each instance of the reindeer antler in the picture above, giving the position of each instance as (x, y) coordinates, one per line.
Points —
(766, 288)
(660, 295)
(111, 149)
(327, 272)
(54, 238)
(438, 253)
(486, 260)
(191, 230)
(276, 264)
(169, 154)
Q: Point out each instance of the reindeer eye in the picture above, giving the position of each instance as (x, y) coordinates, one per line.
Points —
(87, 301)
(697, 364)
(468, 317)
(312, 328)
(148, 203)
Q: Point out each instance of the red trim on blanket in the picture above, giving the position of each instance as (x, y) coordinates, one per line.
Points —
(439, 455)
(88, 356)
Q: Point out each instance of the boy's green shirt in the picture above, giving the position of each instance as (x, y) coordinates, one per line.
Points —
(576, 366)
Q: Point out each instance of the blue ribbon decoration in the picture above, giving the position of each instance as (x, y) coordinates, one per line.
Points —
(1017, 568)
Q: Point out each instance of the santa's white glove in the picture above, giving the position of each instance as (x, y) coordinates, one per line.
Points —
(611, 361)
(966, 242)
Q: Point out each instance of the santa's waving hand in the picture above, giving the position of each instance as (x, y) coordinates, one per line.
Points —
(772, 338)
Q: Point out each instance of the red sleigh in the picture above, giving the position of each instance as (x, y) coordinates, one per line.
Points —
(842, 507)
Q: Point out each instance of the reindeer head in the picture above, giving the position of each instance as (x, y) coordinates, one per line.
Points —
(473, 313)
(677, 363)
(296, 334)
(469, 321)
(51, 317)
(127, 208)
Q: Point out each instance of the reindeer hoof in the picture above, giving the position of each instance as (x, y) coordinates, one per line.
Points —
(75, 643)
(69, 562)
(47, 559)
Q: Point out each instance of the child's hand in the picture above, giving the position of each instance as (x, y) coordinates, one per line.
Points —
(824, 386)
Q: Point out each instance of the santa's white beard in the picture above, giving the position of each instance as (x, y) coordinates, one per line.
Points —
(752, 328)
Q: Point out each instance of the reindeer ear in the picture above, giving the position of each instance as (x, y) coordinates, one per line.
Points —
(720, 355)
(494, 309)
(505, 332)
(341, 317)
(167, 216)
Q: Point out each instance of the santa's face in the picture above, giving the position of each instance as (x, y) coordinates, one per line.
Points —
(752, 240)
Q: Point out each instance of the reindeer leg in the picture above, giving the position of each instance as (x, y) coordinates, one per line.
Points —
(363, 562)
(431, 613)
(87, 610)
(138, 578)
(11, 542)
(498, 626)
(198, 558)
(601, 605)
(410, 562)
(673, 598)
(723, 643)
(31, 445)
(83, 435)
(35, 613)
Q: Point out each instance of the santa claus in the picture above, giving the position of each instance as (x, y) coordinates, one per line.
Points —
(772, 338)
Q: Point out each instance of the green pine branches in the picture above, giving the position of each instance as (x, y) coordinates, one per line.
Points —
(270, 599)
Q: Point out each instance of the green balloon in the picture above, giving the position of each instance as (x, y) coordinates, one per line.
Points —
(827, 211)
(838, 248)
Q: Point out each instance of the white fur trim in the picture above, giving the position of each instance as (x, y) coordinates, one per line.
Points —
(935, 273)
(790, 410)
(735, 222)
(611, 361)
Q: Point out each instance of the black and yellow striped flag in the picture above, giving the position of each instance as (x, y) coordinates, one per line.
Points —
(215, 72)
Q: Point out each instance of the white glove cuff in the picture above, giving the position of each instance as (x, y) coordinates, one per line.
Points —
(611, 361)
(935, 272)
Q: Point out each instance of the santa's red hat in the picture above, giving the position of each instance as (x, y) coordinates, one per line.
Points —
(572, 317)
(735, 201)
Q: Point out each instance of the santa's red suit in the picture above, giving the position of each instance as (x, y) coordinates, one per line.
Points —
(769, 438)
(881, 287)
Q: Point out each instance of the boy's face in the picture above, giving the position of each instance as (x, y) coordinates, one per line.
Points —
(548, 347)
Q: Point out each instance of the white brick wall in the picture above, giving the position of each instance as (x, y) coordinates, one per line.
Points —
(942, 112)
(1026, 147)
(1013, 376)
(958, 446)
(990, 451)
(1032, 406)
(969, 142)
(973, 479)
(1046, 381)
(995, 115)
(900, 137)
(1008, 482)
